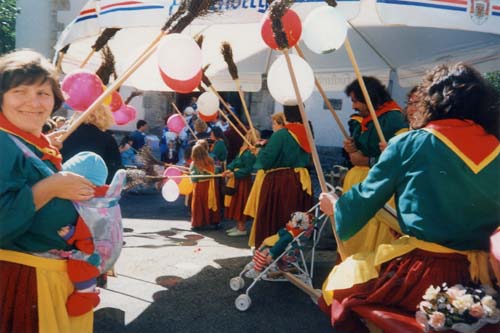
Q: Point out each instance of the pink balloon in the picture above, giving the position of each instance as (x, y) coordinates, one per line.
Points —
(173, 171)
(175, 123)
(125, 114)
(131, 112)
(291, 26)
(82, 89)
(116, 101)
(182, 86)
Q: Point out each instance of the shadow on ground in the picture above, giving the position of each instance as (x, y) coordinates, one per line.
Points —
(205, 303)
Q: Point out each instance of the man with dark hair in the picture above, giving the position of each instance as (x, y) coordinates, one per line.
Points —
(363, 149)
(139, 135)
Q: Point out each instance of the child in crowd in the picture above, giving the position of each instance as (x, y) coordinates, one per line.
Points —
(273, 246)
(127, 153)
(205, 203)
(171, 155)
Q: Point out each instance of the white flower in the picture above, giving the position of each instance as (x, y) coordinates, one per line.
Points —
(489, 304)
(425, 305)
(463, 303)
(437, 320)
(431, 293)
(455, 293)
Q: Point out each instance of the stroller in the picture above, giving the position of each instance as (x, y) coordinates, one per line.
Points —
(292, 260)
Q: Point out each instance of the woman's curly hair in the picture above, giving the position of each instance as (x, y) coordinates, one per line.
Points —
(458, 92)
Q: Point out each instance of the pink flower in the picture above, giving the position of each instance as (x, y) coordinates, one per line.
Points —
(476, 310)
(437, 320)
(456, 292)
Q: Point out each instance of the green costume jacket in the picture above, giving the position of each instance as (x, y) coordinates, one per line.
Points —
(282, 151)
(242, 165)
(21, 227)
(446, 181)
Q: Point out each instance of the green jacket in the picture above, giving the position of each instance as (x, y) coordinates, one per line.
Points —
(243, 163)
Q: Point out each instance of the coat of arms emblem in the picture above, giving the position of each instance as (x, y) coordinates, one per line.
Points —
(479, 10)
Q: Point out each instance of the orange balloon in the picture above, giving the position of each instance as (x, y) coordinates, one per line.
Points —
(185, 186)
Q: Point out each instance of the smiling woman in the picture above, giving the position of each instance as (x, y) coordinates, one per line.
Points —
(35, 202)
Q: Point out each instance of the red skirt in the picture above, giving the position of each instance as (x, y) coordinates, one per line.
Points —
(401, 284)
(281, 195)
(239, 200)
(18, 298)
(201, 215)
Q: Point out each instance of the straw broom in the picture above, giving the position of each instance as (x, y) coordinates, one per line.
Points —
(100, 42)
(362, 85)
(277, 10)
(107, 67)
(186, 13)
(60, 56)
(227, 53)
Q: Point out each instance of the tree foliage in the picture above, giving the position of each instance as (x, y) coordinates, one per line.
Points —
(8, 13)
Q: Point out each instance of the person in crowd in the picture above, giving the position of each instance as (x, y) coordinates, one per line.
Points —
(283, 184)
(34, 203)
(363, 150)
(205, 205)
(139, 135)
(127, 153)
(278, 121)
(92, 136)
(172, 154)
(49, 127)
(59, 120)
(454, 149)
(218, 149)
(201, 129)
(239, 183)
(234, 140)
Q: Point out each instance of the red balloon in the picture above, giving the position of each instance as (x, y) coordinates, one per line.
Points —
(208, 119)
(182, 86)
(116, 101)
(291, 25)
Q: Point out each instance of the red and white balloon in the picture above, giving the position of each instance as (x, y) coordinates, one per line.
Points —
(180, 61)
(291, 26)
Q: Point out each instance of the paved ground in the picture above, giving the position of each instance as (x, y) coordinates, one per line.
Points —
(171, 279)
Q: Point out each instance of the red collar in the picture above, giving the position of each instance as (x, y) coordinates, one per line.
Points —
(295, 232)
(384, 108)
(468, 140)
(41, 143)
(298, 132)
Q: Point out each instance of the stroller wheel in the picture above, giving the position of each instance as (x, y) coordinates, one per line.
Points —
(243, 302)
(236, 283)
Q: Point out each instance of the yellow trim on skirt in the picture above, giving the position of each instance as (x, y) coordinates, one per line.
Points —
(362, 267)
(53, 287)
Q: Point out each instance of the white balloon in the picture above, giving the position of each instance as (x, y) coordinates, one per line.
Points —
(208, 104)
(279, 81)
(324, 30)
(179, 57)
(170, 191)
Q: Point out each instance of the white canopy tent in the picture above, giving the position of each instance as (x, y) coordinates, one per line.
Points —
(390, 38)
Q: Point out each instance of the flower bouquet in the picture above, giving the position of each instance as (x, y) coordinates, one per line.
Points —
(459, 308)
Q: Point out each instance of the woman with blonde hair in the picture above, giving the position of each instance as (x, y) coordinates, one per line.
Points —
(239, 184)
(278, 121)
(205, 205)
(93, 136)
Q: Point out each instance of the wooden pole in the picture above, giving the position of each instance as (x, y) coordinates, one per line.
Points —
(112, 87)
(365, 92)
(185, 122)
(325, 98)
(247, 113)
(314, 293)
(235, 128)
(226, 106)
(314, 152)
(87, 59)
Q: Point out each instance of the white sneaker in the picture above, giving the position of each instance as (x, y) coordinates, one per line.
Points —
(231, 230)
(237, 233)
